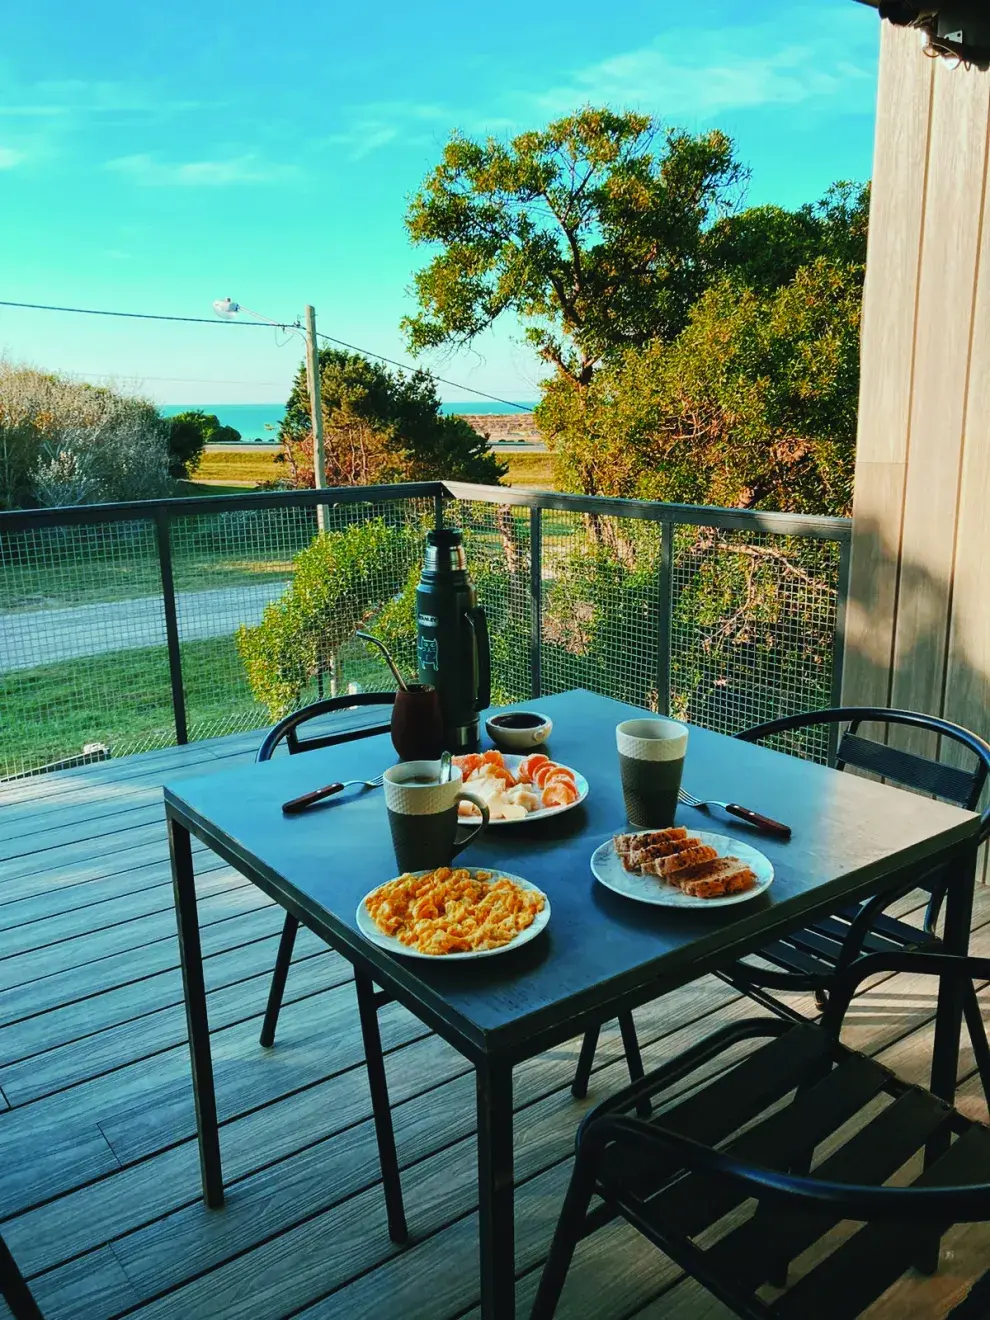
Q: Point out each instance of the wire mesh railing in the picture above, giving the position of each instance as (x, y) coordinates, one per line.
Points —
(123, 627)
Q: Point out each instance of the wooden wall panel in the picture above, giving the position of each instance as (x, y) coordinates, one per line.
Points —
(943, 340)
(889, 318)
(967, 687)
(919, 625)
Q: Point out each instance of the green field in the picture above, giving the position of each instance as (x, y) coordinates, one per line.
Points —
(240, 471)
(219, 466)
(124, 700)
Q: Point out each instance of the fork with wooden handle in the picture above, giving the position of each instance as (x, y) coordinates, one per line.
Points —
(295, 805)
(765, 823)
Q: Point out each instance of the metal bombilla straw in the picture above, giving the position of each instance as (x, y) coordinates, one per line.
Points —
(367, 637)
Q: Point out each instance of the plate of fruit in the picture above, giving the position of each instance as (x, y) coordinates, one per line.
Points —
(519, 788)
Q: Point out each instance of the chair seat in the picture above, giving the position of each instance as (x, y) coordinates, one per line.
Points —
(815, 950)
(786, 1100)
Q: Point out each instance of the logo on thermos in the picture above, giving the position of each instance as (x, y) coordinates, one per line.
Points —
(428, 620)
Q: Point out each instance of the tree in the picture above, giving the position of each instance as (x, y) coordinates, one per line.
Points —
(189, 433)
(754, 404)
(380, 426)
(764, 247)
(592, 232)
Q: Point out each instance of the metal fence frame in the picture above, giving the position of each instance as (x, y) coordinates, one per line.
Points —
(669, 516)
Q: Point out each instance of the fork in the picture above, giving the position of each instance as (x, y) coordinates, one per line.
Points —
(764, 823)
(296, 805)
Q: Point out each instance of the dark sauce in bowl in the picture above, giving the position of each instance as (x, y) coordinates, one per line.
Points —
(518, 719)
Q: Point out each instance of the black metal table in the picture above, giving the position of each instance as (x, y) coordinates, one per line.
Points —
(601, 954)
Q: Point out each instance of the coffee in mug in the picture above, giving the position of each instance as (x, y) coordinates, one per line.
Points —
(651, 759)
(422, 815)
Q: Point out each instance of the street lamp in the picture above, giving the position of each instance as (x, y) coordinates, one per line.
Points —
(227, 309)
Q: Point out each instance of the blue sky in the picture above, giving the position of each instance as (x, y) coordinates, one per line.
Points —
(155, 157)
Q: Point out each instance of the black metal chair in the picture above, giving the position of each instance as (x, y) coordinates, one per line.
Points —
(808, 960)
(751, 1134)
(369, 999)
(14, 1290)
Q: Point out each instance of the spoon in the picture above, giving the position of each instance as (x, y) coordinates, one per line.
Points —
(445, 764)
(367, 637)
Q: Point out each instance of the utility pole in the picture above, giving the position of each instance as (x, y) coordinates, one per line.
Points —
(316, 413)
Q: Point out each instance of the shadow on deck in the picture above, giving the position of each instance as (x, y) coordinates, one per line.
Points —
(99, 1184)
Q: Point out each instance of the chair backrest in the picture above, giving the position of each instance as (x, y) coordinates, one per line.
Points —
(960, 786)
(286, 729)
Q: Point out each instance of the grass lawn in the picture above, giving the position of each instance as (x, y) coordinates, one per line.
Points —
(238, 471)
(123, 699)
(533, 470)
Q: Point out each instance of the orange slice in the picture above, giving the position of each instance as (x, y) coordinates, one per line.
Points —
(559, 794)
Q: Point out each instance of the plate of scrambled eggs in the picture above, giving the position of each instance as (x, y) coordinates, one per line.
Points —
(463, 912)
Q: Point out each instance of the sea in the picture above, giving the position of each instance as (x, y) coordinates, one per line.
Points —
(260, 421)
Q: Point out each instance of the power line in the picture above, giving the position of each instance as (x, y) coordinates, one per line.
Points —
(259, 325)
(149, 316)
(524, 407)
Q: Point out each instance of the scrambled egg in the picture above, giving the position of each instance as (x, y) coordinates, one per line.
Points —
(447, 911)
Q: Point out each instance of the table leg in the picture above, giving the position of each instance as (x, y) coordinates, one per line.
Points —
(381, 1108)
(194, 989)
(496, 1192)
(951, 993)
(949, 1015)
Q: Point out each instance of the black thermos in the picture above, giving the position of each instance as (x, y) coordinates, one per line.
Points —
(452, 649)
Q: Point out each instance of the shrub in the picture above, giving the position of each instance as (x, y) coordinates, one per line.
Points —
(189, 433)
(340, 580)
(63, 442)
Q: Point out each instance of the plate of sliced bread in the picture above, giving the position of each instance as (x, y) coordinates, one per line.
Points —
(682, 868)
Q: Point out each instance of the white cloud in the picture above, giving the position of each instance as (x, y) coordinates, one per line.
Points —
(377, 124)
(150, 172)
(9, 158)
(698, 74)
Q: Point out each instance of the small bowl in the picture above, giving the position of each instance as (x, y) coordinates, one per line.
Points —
(519, 730)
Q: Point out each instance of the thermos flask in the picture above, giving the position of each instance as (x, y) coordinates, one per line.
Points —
(452, 649)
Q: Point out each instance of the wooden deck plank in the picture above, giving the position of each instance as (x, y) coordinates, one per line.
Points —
(283, 1130)
(87, 979)
(58, 900)
(33, 824)
(237, 896)
(72, 1021)
(97, 919)
(105, 1154)
(65, 874)
(46, 1073)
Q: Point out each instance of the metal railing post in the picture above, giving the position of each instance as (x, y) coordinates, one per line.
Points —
(665, 588)
(171, 623)
(536, 599)
(839, 639)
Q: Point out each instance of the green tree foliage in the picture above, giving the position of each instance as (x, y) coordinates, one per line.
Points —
(189, 433)
(380, 426)
(753, 404)
(764, 247)
(340, 580)
(591, 231)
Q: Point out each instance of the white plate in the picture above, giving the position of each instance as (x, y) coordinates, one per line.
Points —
(609, 871)
(366, 924)
(512, 763)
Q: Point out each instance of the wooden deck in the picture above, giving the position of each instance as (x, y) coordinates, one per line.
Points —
(99, 1178)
